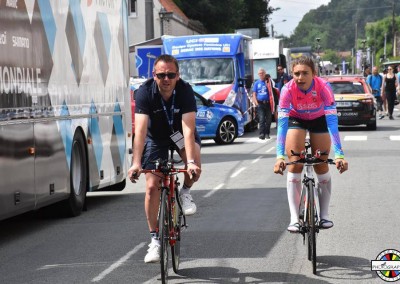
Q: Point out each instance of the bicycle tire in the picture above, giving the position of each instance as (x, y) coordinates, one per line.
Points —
(177, 216)
(163, 232)
(311, 232)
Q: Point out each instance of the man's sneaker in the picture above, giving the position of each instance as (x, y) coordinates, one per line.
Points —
(325, 224)
(381, 116)
(188, 205)
(153, 253)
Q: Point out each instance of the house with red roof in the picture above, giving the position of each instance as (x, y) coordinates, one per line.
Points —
(148, 20)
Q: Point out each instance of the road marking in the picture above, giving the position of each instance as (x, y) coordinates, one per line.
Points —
(235, 174)
(270, 149)
(355, 138)
(118, 263)
(256, 160)
(78, 264)
(211, 192)
(394, 137)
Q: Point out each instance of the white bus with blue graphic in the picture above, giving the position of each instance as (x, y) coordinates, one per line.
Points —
(65, 118)
(218, 66)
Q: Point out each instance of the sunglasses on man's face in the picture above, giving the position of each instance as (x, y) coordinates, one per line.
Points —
(162, 76)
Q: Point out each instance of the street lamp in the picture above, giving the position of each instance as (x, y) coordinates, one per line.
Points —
(272, 26)
(363, 56)
(318, 46)
(164, 16)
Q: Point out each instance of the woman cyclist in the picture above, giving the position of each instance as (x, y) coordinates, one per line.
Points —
(307, 103)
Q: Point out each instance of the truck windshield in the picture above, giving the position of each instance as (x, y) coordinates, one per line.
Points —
(205, 71)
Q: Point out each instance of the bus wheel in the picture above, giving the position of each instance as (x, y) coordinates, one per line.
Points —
(78, 176)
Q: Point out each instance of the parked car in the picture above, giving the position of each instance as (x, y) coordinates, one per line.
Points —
(213, 121)
(354, 100)
(217, 121)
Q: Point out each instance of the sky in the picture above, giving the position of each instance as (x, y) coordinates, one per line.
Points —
(292, 11)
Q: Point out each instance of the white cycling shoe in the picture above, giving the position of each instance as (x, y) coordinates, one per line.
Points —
(188, 205)
(153, 253)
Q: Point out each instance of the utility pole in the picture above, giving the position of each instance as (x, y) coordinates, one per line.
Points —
(393, 29)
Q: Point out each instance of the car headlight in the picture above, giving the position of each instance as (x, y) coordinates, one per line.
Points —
(230, 99)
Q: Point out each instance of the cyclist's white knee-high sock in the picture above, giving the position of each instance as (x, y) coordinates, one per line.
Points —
(324, 193)
(293, 192)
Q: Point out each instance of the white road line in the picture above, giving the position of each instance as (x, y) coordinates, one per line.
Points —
(118, 263)
(394, 137)
(355, 138)
(256, 160)
(270, 149)
(235, 174)
(211, 192)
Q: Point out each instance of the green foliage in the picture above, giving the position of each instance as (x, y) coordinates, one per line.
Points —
(338, 23)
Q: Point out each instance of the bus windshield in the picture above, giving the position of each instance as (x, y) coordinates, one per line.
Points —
(205, 71)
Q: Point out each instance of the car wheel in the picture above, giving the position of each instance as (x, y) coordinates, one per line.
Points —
(371, 125)
(226, 131)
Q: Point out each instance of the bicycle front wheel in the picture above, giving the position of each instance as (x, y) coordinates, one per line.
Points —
(163, 232)
(311, 232)
(177, 216)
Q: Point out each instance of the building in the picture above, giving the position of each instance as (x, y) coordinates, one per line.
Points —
(150, 19)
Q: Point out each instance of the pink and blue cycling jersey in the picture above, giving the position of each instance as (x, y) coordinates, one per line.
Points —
(317, 101)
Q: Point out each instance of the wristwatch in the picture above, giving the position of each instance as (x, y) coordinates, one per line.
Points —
(191, 162)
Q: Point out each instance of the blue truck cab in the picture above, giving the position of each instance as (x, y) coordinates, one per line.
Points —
(218, 66)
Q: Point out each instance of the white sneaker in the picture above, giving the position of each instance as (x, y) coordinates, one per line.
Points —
(188, 205)
(153, 253)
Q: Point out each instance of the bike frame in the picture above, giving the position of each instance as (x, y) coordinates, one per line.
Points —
(169, 192)
(309, 201)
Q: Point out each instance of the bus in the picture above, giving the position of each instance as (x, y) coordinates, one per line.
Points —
(64, 103)
(218, 66)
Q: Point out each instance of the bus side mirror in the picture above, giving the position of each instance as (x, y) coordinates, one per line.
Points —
(241, 82)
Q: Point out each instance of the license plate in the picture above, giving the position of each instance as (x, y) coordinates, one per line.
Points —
(343, 104)
(352, 114)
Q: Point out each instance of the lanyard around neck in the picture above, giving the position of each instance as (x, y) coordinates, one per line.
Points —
(170, 118)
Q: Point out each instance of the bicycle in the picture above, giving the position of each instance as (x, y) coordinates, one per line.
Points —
(171, 220)
(309, 203)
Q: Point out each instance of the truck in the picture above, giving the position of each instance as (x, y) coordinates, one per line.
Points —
(267, 54)
(218, 66)
(65, 119)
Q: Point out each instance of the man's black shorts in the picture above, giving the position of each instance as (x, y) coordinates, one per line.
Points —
(155, 149)
(317, 125)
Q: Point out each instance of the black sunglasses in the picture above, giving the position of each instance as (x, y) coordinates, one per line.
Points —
(162, 76)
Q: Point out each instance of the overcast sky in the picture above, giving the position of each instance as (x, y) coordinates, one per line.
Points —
(292, 11)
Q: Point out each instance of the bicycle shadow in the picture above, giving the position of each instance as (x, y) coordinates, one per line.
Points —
(348, 267)
(225, 275)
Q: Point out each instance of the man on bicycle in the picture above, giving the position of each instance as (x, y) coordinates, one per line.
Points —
(306, 104)
(165, 116)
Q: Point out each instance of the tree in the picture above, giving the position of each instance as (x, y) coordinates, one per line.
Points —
(230, 14)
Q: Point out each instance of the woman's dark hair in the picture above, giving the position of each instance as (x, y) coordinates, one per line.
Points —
(305, 60)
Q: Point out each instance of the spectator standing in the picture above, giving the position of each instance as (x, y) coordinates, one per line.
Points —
(282, 78)
(375, 81)
(264, 101)
(389, 87)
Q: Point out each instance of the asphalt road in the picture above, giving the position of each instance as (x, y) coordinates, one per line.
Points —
(239, 232)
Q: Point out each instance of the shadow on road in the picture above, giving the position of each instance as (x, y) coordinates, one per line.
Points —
(217, 275)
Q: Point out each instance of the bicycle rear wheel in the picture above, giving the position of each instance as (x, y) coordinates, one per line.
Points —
(177, 216)
(163, 232)
(311, 232)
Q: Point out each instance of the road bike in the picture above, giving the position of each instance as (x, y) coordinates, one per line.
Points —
(171, 220)
(309, 203)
